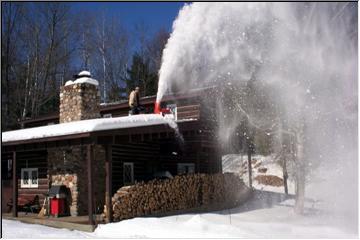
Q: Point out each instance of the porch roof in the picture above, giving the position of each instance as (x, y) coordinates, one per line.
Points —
(84, 128)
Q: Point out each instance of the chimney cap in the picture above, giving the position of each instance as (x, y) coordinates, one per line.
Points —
(82, 74)
(83, 77)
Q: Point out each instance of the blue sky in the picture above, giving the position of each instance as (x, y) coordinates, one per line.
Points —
(155, 15)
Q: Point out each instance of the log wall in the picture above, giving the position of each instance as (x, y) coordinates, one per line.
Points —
(33, 159)
(164, 155)
(186, 109)
(141, 154)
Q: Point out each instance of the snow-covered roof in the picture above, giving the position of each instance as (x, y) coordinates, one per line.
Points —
(86, 126)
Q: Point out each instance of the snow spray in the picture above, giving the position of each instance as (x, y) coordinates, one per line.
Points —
(304, 54)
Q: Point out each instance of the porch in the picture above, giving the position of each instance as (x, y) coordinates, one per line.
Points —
(142, 144)
(80, 223)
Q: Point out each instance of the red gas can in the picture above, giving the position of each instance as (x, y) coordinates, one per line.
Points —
(57, 206)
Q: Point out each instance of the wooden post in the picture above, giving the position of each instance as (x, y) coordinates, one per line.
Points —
(15, 187)
(108, 191)
(219, 159)
(90, 185)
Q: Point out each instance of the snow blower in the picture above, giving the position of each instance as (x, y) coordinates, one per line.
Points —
(159, 110)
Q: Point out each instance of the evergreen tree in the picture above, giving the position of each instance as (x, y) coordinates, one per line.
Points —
(140, 75)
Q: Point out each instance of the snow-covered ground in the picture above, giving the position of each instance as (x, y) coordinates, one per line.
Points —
(16, 229)
(270, 219)
(237, 163)
(269, 214)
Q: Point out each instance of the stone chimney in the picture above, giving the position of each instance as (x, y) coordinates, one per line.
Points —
(80, 99)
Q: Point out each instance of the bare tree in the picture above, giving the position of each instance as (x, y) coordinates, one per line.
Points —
(155, 47)
(112, 50)
(55, 16)
(86, 39)
(40, 46)
(11, 22)
(39, 63)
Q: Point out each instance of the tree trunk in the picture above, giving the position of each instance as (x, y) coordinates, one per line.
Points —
(103, 56)
(104, 76)
(24, 112)
(300, 170)
(249, 165)
(282, 150)
(285, 174)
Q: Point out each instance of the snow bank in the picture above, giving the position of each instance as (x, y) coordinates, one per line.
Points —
(275, 222)
(85, 126)
(278, 221)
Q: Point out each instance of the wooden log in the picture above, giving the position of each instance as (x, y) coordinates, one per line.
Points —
(181, 192)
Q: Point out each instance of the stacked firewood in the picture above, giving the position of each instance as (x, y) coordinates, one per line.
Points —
(180, 193)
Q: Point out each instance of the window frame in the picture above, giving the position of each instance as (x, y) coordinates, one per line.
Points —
(29, 171)
(184, 166)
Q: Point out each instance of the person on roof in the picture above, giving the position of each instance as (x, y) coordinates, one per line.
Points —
(134, 101)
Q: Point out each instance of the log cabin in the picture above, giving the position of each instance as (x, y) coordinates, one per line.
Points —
(94, 149)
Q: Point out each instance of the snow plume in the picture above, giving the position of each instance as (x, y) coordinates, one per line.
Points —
(302, 54)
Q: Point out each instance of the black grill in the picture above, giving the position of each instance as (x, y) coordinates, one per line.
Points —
(60, 191)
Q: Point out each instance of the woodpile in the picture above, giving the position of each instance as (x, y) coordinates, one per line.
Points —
(257, 165)
(180, 193)
(270, 180)
(262, 170)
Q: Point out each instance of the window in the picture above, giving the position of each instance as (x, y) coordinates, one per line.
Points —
(9, 168)
(128, 173)
(29, 178)
(185, 168)
(173, 110)
(107, 115)
(6, 169)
